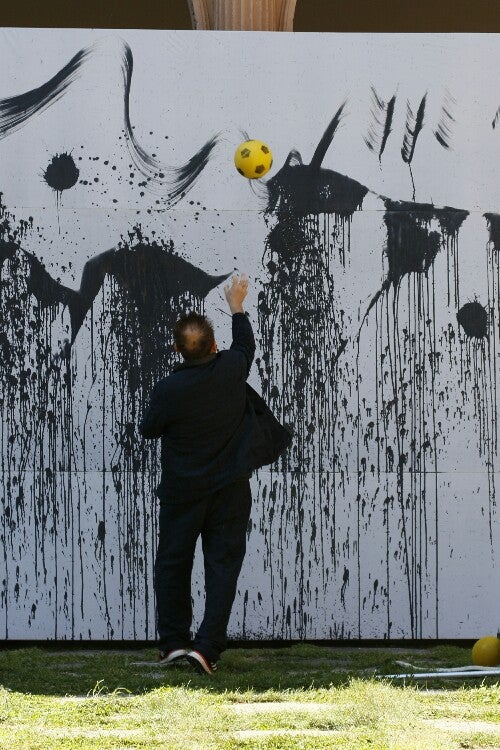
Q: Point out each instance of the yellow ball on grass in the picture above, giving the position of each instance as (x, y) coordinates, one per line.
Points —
(486, 651)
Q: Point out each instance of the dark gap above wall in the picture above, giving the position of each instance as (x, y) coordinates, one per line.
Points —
(310, 15)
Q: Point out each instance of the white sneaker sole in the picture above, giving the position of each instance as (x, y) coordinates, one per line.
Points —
(199, 662)
(174, 656)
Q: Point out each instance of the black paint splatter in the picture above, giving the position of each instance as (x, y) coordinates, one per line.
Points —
(172, 183)
(139, 289)
(38, 489)
(412, 246)
(302, 333)
(62, 173)
(300, 190)
(149, 272)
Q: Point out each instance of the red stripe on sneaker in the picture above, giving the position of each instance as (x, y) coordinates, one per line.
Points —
(202, 661)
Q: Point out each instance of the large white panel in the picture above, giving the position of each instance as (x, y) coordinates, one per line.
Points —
(375, 306)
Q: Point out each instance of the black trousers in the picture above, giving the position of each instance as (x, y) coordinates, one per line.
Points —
(222, 520)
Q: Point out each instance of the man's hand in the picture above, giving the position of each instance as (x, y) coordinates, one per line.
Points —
(236, 293)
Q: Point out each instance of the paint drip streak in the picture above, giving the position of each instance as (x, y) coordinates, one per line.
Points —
(47, 439)
(298, 328)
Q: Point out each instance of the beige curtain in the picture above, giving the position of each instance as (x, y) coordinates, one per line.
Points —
(243, 15)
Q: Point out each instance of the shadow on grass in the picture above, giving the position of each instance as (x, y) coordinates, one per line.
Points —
(73, 671)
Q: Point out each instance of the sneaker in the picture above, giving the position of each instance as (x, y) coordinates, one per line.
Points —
(173, 656)
(201, 663)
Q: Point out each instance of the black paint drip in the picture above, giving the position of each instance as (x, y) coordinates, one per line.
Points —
(302, 333)
(8, 249)
(38, 490)
(493, 222)
(490, 347)
(141, 288)
(412, 247)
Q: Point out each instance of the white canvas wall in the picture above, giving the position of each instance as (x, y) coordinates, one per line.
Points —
(342, 543)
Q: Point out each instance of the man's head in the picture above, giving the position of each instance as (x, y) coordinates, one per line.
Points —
(194, 336)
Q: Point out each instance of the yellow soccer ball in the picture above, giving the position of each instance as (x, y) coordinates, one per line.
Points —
(253, 159)
(486, 651)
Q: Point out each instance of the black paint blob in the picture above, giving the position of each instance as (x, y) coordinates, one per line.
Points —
(299, 189)
(474, 320)
(450, 220)
(494, 229)
(411, 247)
(62, 173)
(150, 274)
(8, 248)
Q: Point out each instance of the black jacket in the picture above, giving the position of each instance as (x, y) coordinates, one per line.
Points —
(213, 427)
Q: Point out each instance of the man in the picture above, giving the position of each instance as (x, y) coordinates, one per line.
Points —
(214, 430)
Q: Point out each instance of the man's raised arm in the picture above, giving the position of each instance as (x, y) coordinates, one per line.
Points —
(243, 338)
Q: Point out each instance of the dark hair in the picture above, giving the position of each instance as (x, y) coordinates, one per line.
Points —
(194, 335)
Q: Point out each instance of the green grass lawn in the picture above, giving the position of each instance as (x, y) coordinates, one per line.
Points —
(302, 696)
